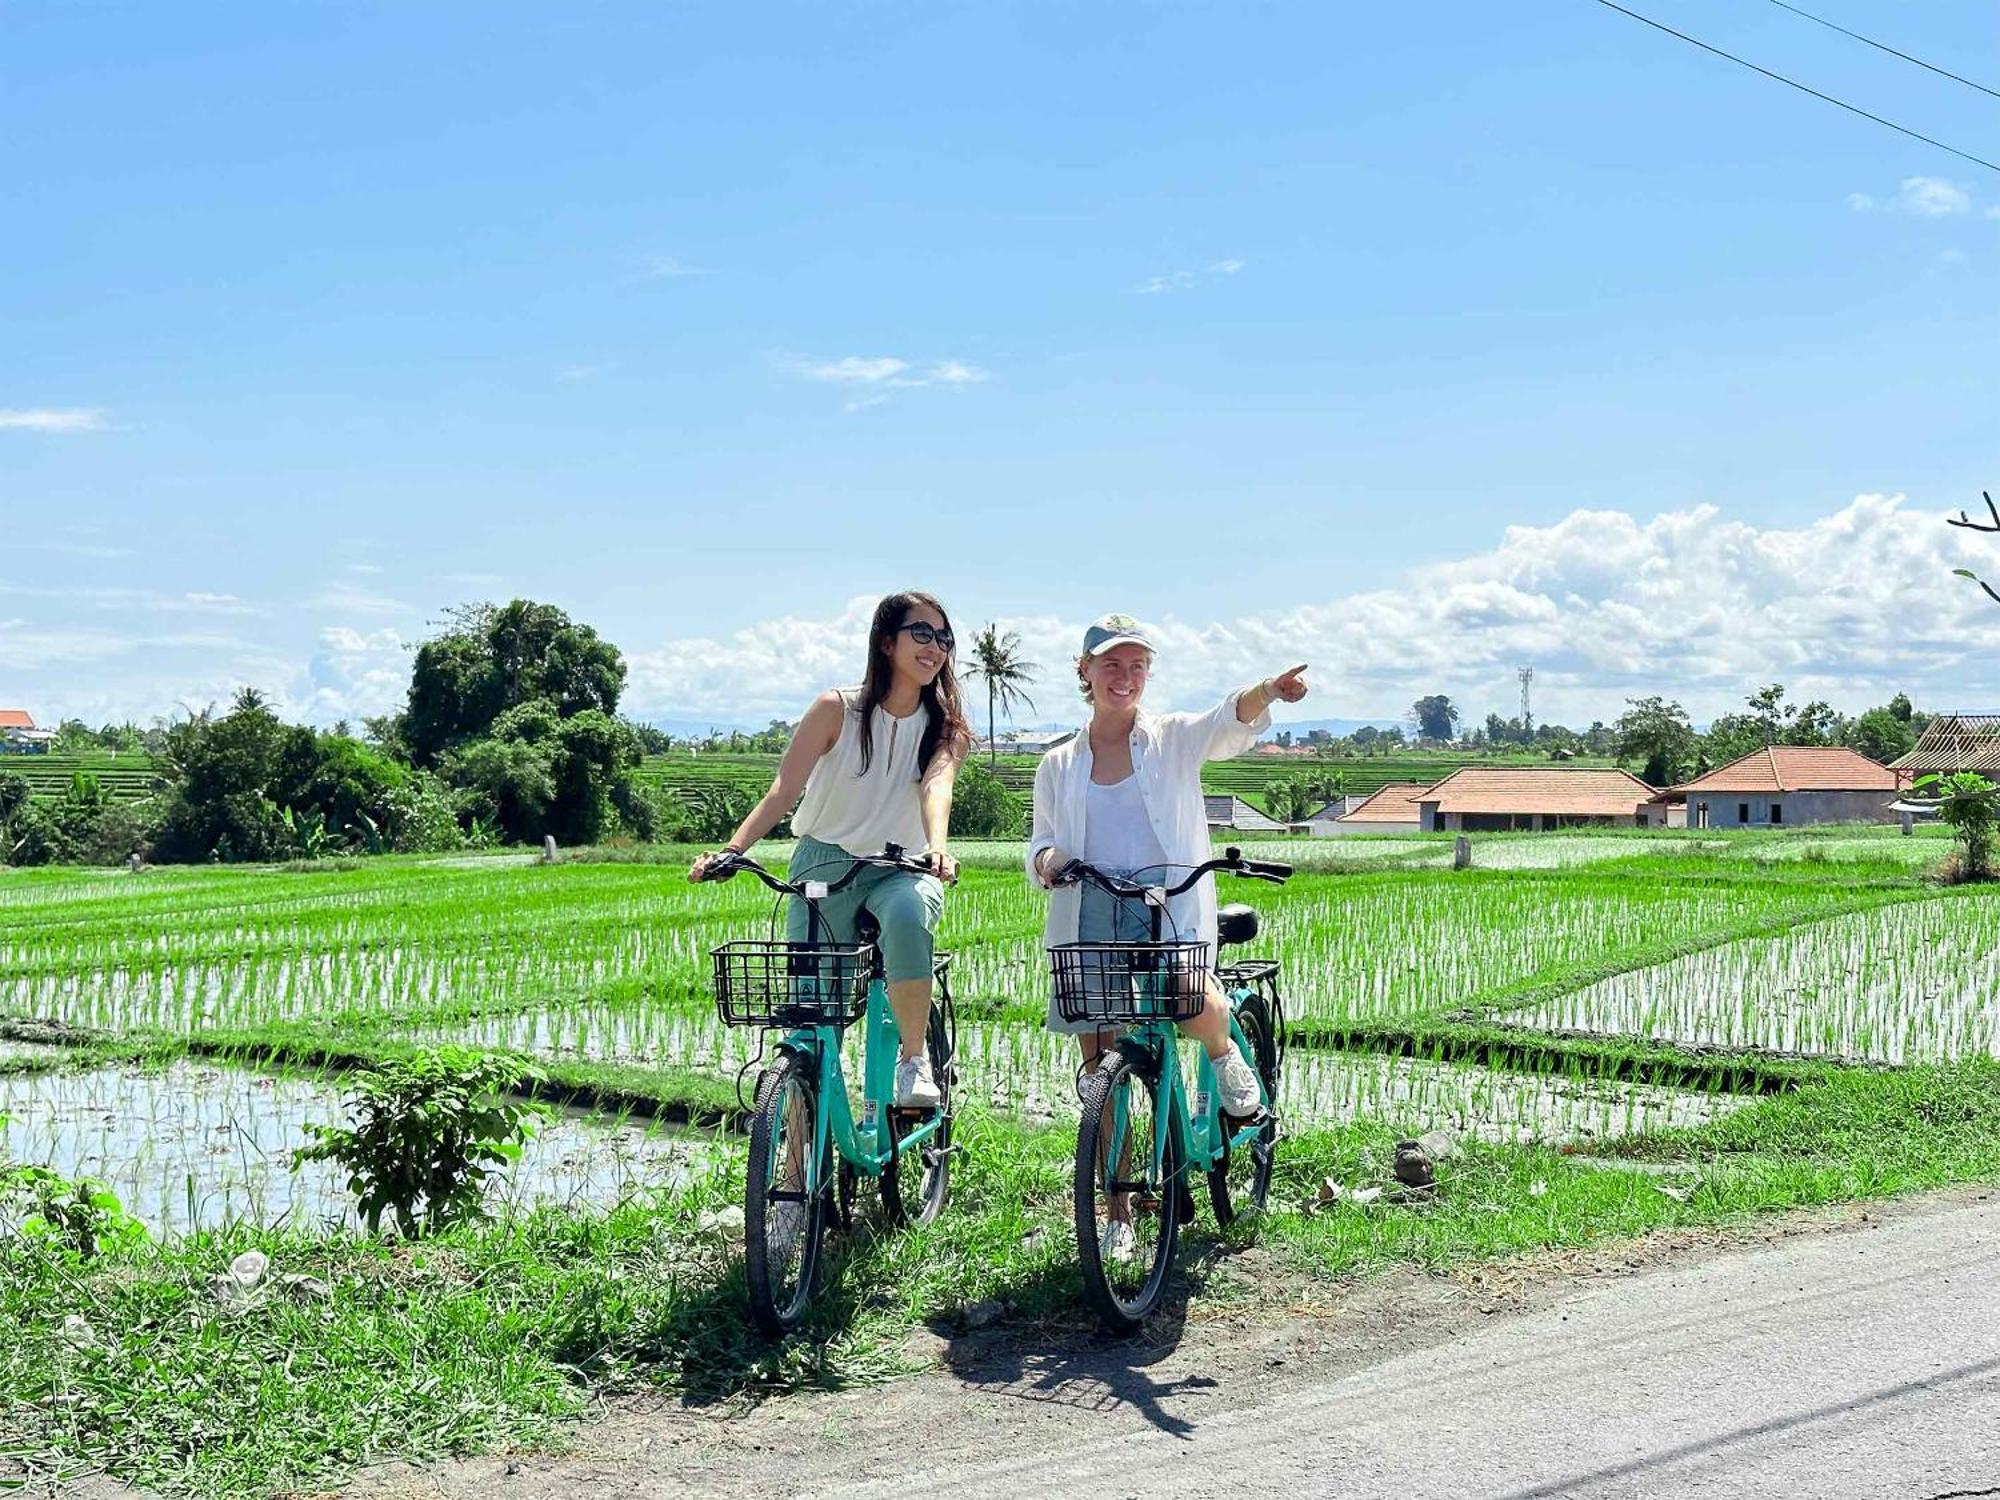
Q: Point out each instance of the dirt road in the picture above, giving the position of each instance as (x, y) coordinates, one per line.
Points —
(1857, 1362)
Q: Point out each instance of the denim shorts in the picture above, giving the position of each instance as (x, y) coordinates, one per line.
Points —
(1104, 918)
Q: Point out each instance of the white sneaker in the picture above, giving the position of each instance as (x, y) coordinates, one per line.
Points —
(1116, 1242)
(1236, 1085)
(915, 1087)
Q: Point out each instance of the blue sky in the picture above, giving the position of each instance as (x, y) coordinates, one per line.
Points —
(706, 321)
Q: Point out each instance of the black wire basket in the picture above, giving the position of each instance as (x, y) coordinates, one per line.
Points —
(1128, 983)
(760, 983)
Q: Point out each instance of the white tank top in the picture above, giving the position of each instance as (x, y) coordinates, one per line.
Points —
(1117, 834)
(862, 813)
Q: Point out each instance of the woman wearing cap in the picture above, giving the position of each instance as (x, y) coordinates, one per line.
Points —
(876, 765)
(1125, 795)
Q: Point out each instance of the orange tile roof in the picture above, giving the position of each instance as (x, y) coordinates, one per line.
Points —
(1581, 793)
(15, 718)
(1795, 768)
(1392, 802)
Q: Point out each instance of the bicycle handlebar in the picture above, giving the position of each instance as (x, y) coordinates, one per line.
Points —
(892, 857)
(1232, 862)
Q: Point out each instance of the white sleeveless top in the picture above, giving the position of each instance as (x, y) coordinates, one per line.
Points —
(1117, 833)
(862, 813)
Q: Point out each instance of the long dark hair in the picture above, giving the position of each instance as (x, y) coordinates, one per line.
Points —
(940, 694)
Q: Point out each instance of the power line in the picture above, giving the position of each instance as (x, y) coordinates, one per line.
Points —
(1885, 47)
(1853, 109)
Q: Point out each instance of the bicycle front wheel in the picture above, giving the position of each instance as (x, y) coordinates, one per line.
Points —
(785, 1202)
(1129, 1170)
(1240, 1180)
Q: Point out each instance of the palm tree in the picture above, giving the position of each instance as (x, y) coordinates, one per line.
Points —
(997, 659)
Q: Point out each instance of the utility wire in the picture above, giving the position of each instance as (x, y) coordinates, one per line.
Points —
(1885, 47)
(1853, 109)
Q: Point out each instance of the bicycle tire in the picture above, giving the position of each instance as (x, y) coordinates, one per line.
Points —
(1241, 1179)
(784, 1224)
(915, 1184)
(1124, 1293)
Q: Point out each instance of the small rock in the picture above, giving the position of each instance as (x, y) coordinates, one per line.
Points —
(723, 1221)
(1413, 1164)
(1438, 1145)
(78, 1334)
(984, 1313)
(248, 1269)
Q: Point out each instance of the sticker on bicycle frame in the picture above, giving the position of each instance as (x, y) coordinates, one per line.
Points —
(870, 1110)
(816, 890)
(1200, 1104)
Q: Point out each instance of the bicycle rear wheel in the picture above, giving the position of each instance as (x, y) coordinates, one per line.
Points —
(785, 1201)
(916, 1182)
(1128, 1170)
(1240, 1180)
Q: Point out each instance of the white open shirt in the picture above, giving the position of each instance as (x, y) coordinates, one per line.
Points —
(1167, 755)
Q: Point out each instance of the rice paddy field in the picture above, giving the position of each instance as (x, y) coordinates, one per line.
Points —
(1807, 943)
(1620, 1031)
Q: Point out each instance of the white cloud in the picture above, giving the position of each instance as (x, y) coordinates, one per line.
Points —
(875, 374)
(128, 599)
(359, 602)
(1924, 197)
(1181, 281)
(79, 549)
(669, 268)
(52, 419)
(352, 674)
(1852, 607)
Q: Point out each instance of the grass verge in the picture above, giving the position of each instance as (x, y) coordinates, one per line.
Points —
(132, 1365)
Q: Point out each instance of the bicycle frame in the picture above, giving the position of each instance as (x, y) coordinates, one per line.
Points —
(1200, 1127)
(867, 1144)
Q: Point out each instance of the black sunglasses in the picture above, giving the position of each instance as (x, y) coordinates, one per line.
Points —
(928, 635)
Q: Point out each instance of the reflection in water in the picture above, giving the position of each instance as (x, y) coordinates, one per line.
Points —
(199, 1146)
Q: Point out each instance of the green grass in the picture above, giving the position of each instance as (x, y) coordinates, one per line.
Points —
(492, 1336)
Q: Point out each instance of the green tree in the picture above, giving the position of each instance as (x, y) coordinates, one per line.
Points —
(1435, 717)
(1880, 735)
(489, 660)
(982, 806)
(1656, 731)
(1966, 803)
(996, 659)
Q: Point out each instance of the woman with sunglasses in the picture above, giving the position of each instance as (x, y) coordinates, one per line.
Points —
(876, 764)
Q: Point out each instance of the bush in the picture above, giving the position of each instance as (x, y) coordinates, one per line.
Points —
(430, 1129)
(982, 806)
(1967, 805)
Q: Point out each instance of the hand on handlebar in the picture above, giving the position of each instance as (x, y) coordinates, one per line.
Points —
(1050, 863)
(715, 865)
(943, 866)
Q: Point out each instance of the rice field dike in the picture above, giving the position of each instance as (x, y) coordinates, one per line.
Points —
(1622, 1033)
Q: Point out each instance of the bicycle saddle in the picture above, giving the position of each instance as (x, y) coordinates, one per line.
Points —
(1235, 924)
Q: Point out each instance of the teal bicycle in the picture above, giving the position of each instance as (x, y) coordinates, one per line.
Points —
(808, 1152)
(1144, 1132)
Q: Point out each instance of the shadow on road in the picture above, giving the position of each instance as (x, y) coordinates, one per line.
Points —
(1076, 1364)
